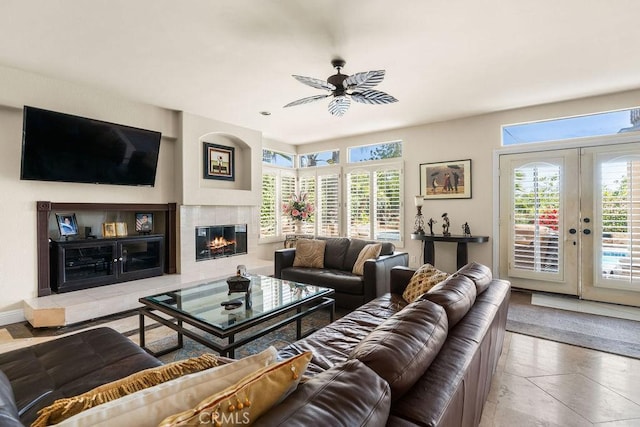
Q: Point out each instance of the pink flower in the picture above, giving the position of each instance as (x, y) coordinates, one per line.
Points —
(295, 212)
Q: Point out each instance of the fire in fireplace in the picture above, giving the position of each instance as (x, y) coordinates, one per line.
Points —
(217, 241)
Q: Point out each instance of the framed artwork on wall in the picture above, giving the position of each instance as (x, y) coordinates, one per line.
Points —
(67, 224)
(446, 180)
(218, 162)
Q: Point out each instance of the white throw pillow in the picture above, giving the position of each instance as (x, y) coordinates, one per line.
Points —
(152, 405)
(370, 251)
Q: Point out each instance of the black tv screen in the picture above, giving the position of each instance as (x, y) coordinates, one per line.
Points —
(62, 147)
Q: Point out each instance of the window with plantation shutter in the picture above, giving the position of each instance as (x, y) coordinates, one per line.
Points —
(268, 225)
(328, 205)
(374, 207)
(287, 190)
(387, 205)
(359, 204)
(536, 218)
(308, 186)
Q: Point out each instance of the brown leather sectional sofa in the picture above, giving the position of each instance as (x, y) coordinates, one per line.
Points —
(389, 362)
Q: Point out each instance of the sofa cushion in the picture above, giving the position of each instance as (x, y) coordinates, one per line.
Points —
(341, 281)
(153, 404)
(456, 295)
(371, 250)
(422, 280)
(480, 274)
(401, 349)
(309, 253)
(349, 394)
(335, 252)
(249, 398)
(65, 408)
(356, 245)
(8, 410)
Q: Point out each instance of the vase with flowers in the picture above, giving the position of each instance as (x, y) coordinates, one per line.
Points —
(299, 209)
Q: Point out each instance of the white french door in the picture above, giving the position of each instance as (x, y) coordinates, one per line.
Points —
(570, 222)
(539, 220)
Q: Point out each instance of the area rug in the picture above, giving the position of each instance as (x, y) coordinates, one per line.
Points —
(602, 333)
(278, 338)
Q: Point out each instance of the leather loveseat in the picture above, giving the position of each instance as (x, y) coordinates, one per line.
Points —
(389, 362)
(340, 255)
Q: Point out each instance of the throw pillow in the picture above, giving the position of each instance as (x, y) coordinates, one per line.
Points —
(153, 404)
(369, 251)
(64, 408)
(245, 401)
(424, 278)
(309, 253)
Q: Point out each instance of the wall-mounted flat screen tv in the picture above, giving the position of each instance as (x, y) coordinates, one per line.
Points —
(63, 147)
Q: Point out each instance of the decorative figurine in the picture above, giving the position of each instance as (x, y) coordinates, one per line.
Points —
(431, 222)
(445, 225)
(466, 230)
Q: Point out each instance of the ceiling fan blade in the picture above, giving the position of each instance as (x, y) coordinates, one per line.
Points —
(315, 83)
(339, 105)
(373, 97)
(306, 100)
(365, 80)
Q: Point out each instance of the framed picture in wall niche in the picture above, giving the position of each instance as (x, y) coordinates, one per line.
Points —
(446, 180)
(67, 224)
(109, 229)
(218, 162)
(121, 229)
(144, 222)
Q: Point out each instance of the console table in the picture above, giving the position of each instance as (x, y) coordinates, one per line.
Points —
(429, 254)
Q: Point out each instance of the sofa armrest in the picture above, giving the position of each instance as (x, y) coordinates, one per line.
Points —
(399, 278)
(283, 258)
(377, 273)
(349, 394)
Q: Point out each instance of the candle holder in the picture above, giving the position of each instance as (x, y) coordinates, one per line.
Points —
(419, 222)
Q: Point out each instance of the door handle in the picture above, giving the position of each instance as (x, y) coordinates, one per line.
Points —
(572, 231)
(586, 231)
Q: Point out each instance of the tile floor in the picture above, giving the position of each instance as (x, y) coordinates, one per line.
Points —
(538, 382)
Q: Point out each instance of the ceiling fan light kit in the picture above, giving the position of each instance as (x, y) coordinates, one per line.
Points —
(343, 88)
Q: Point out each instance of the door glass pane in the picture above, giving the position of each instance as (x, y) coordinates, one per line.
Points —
(536, 217)
(619, 211)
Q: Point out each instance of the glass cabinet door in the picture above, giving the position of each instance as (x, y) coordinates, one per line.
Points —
(81, 264)
(143, 255)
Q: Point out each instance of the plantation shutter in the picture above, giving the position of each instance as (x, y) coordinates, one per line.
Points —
(358, 204)
(269, 205)
(287, 190)
(308, 186)
(536, 218)
(328, 206)
(387, 205)
(619, 211)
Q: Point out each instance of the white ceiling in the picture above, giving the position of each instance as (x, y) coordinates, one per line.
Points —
(229, 60)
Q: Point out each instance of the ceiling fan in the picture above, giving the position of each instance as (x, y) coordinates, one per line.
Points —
(342, 87)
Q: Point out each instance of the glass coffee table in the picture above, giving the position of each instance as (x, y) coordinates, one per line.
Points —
(196, 312)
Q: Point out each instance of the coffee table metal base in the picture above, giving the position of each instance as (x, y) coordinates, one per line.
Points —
(177, 323)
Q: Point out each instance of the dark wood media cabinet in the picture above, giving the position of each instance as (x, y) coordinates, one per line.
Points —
(87, 263)
(44, 209)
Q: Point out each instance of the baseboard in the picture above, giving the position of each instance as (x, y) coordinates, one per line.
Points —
(12, 316)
